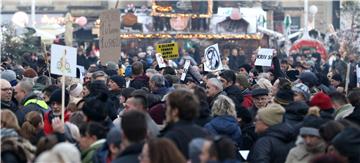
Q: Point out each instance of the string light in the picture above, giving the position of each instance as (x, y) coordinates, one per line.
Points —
(192, 36)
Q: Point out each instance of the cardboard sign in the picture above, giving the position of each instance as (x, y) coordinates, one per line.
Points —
(212, 59)
(109, 38)
(160, 60)
(168, 51)
(264, 57)
(63, 60)
(186, 68)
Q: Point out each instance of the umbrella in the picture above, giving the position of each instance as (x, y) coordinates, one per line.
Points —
(309, 43)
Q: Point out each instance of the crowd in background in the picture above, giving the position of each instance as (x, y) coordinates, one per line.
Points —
(300, 109)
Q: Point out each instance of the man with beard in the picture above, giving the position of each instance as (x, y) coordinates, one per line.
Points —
(312, 144)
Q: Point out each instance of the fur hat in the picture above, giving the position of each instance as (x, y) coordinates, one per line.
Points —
(321, 100)
(271, 115)
(56, 97)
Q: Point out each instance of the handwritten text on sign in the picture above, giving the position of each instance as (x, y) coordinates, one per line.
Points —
(264, 57)
(168, 50)
(110, 44)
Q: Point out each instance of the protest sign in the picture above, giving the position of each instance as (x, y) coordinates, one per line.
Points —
(109, 38)
(186, 68)
(160, 60)
(168, 50)
(264, 57)
(60, 54)
(212, 59)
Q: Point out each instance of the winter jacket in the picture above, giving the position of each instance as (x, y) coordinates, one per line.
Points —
(48, 118)
(355, 115)
(181, 133)
(295, 113)
(32, 103)
(299, 154)
(225, 125)
(130, 154)
(253, 111)
(157, 112)
(247, 99)
(161, 92)
(140, 81)
(88, 154)
(343, 111)
(101, 154)
(274, 145)
(235, 94)
(327, 114)
(204, 115)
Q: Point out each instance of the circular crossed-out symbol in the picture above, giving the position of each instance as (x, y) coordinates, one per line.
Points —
(213, 57)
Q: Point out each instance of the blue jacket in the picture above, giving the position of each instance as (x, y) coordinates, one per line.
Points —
(225, 125)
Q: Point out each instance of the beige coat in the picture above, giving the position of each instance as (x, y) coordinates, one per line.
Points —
(299, 154)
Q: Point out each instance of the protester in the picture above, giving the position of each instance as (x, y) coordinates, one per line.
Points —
(228, 78)
(33, 127)
(92, 138)
(341, 105)
(347, 144)
(111, 148)
(6, 96)
(139, 78)
(261, 99)
(157, 151)
(214, 88)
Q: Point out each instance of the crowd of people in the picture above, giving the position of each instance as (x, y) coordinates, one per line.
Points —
(298, 110)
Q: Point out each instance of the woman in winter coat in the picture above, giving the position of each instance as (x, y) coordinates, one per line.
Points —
(224, 121)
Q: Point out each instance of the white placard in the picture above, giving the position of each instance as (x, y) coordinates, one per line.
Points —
(160, 60)
(186, 68)
(212, 59)
(82, 72)
(58, 55)
(358, 75)
(244, 154)
(264, 57)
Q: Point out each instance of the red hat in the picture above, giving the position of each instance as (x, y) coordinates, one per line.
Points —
(321, 100)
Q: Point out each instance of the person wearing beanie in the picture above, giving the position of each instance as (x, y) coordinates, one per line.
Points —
(244, 85)
(275, 137)
(111, 148)
(310, 80)
(260, 97)
(301, 92)
(323, 101)
(284, 96)
(295, 113)
(10, 76)
(311, 143)
(336, 80)
(347, 144)
(55, 102)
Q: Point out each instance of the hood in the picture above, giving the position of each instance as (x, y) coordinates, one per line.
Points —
(297, 108)
(224, 125)
(282, 131)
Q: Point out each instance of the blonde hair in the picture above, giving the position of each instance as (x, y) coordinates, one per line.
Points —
(223, 105)
(9, 120)
(265, 83)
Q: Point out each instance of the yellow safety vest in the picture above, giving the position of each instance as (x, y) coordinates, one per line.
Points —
(41, 103)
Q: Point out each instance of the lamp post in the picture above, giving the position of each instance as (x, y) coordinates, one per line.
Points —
(313, 11)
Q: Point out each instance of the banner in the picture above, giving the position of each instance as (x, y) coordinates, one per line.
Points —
(212, 59)
(109, 38)
(63, 60)
(168, 51)
(264, 57)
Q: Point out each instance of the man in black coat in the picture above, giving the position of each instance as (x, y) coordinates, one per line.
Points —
(276, 138)
(182, 109)
(354, 99)
(228, 78)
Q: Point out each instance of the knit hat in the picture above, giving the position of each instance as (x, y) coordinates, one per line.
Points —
(195, 148)
(321, 100)
(284, 96)
(114, 136)
(311, 126)
(119, 80)
(292, 74)
(259, 92)
(111, 66)
(10, 76)
(271, 115)
(308, 78)
(75, 89)
(243, 80)
(303, 89)
(30, 73)
(56, 97)
(347, 143)
(337, 77)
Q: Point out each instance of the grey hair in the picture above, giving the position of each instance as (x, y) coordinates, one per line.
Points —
(158, 79)
(217, 83)
(223, 105)
(26, 85)
(152, 71)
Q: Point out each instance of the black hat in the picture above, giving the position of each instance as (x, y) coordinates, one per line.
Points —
(119, 80)
(284, 96)
(126, 92)
(309, 79)
(259, 92)
(292, 74)
(347, 143)
(337, 77)
(56, 97)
